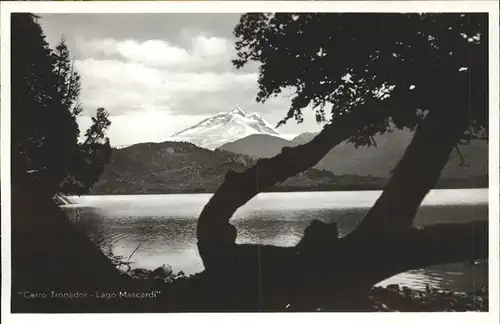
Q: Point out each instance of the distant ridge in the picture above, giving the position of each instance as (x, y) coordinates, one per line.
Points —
(258, 145)
(369, 161)
(180, 167)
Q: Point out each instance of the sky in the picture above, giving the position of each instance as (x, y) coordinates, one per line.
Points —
(158, 74)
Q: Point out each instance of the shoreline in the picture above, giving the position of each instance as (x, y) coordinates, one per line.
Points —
(69, 196)
(346, 188)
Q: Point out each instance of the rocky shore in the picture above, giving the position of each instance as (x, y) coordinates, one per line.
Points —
(404, 299)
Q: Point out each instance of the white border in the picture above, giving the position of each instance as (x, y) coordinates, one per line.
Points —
(255, 6)
(181, 6)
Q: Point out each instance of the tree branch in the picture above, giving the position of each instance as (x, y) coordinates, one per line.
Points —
(215, 234)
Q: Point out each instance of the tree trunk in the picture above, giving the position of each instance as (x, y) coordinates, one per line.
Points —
(383, 245)
(415, 175)
(215, 235)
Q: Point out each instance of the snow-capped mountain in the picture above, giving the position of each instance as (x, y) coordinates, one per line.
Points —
(223, 128)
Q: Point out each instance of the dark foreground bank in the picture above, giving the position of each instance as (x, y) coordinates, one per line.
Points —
(393, 298)
(143, 292)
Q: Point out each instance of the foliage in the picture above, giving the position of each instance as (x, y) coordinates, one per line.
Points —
(97, 130)
(45, 92)
(391, 67)
(88, 166)
(68, 79)
(44, 133)
(91, 156)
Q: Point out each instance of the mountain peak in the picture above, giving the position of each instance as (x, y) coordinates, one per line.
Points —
(223, 128)
(255, 116)
(238, 111)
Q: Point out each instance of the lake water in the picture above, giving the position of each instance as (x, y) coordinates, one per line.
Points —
(163, 227)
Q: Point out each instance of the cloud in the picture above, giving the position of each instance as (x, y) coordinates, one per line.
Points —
(123, 86)
(151, 52)
(128, 75)
(171, 26)
(204, 52)
(211, 46)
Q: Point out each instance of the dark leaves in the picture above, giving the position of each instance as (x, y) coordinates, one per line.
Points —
(344, 61)
(45, 91)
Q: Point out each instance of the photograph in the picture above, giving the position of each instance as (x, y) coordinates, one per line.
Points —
(249, 161)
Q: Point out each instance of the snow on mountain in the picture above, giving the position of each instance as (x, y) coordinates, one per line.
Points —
(223, 128)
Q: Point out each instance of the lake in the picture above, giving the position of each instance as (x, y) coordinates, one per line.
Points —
(163, 227)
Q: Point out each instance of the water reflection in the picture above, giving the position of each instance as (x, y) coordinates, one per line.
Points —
(163, 228)
(463, 276)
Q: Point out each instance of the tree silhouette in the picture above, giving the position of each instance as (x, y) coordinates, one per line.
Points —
(44, 133)
(91, 156)
(46, 159)
(97, 131)
(68, 79)
(45, 93)
(374, 72)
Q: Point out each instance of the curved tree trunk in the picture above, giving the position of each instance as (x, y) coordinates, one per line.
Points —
(383, 245)
(215, 235)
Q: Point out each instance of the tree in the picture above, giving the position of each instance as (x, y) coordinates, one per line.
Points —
(68, 79)
(91, 156)
(46, 159)
(44, 133)
(426, 72)
(97, 130)
(45, 105)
